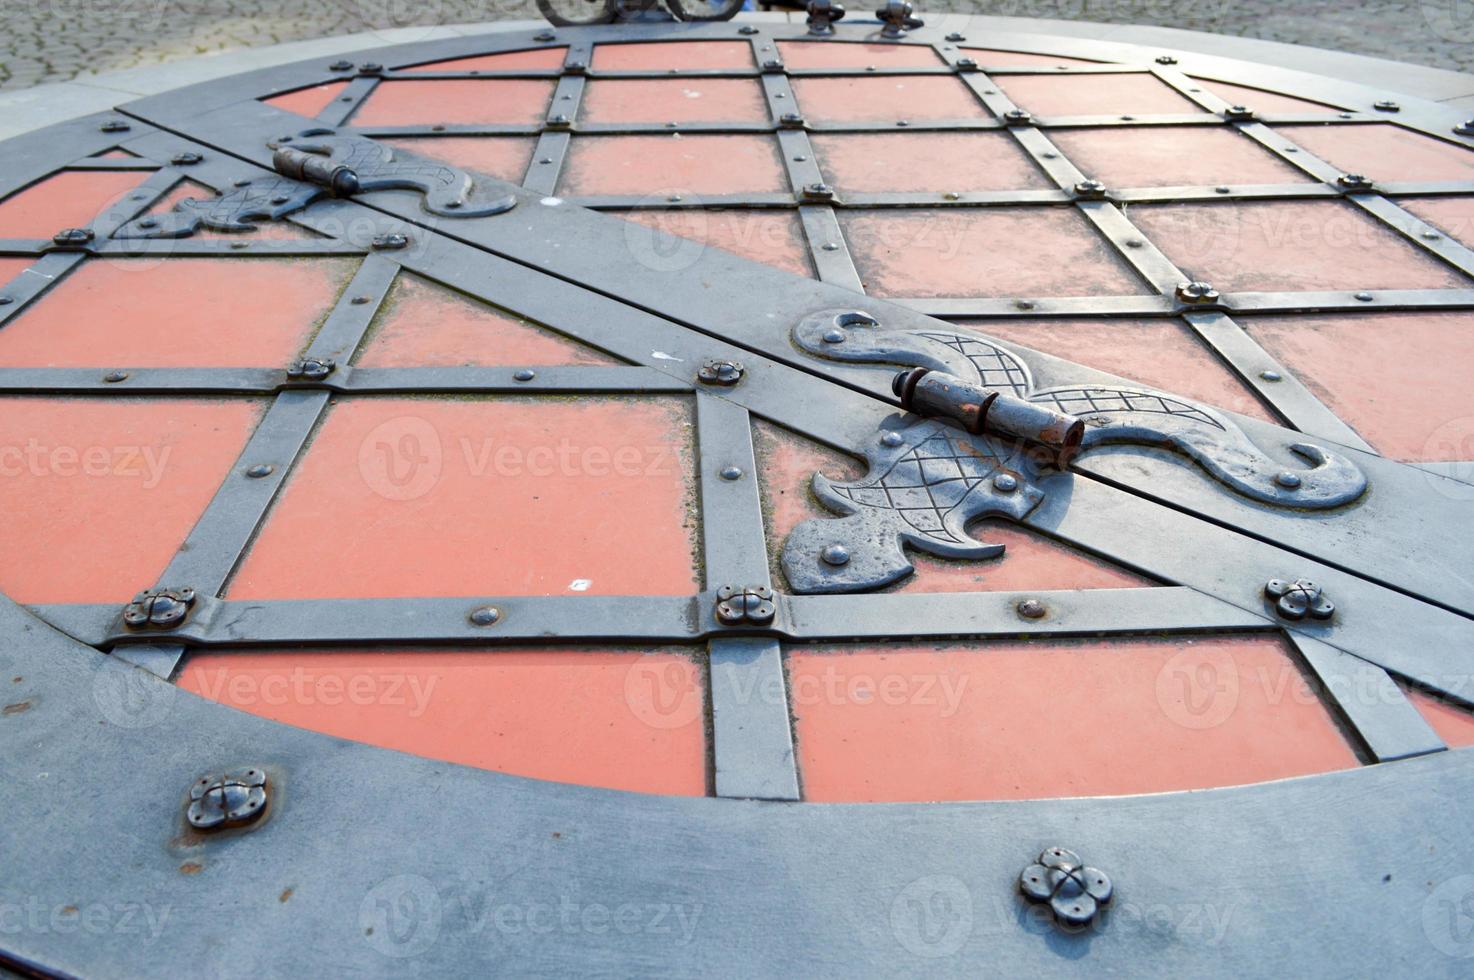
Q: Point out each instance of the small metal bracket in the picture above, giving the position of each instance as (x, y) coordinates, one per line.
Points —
(819, 193)
(898, 18)
(311, 368)
(791, 120)
(1017, 117)
(1238, 113)
(744, 605)
(1090, 190)
(1197, 293)
(72, 239)
(1357, 183)
(229, 799)
(1073, 891)
(1298, 599)
(158, 609)
(822, 15)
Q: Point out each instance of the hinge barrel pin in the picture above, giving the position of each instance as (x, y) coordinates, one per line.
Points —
(979, 409)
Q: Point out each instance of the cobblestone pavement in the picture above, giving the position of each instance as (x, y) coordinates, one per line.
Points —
(52, 40)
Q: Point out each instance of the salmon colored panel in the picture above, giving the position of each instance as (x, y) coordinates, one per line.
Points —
(775, 238)
(115, 154)
(1451, 215)
(1289, 246)
(1006, 721)
(673, 56)
(1453, 723)
(484, 496)
(308, 101)
(846, 54)
(1259, 100)
(1400, 379)
(69, 199)
(674, 163)
(612, 718)
(898, 163)
(1093, 95)
(886, 98)
(1161, 354)
(457, 102)
(284, 231)
(989, 58)
(537, 58)
(786, 466)
(983, 252)
(1384, 152)
(98, 494)
(11, 268)
(679, 100)
(186, 312)
(426, 325)
(1162, 156)
(503, 157)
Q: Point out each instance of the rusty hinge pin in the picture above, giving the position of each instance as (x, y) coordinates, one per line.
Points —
(315, 169)
(980, 409)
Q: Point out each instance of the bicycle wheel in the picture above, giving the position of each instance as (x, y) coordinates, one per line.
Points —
(575, 13)
(705, 9)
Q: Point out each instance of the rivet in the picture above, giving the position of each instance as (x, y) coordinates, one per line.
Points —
(902, 122)
(891, 439)
(185, 159)
(259, 470)
(524, 374)
(1222, 190)
(1270, 375)
(485, 616)
(1031, 609)
(113, 377)
(1049, 155)
(1023, 304)
(1287, 479)
(731, 473)
(6, 301)
(834, 335)
(546, 160)
(1005, 482)
(390, 241)
(1134, 243)
(360, 300)
(674, 199)
(830, 246)
(148, 223)
(1386, 105)
(1432, 236)
(835, 554)
(1365, 297)
(952, 196)
(1166, 59)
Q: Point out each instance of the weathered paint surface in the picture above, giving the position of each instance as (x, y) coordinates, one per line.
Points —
(456, 101)
(877, 99)
(772, 237)
(503, 157)
(678, 100)
(674, 164)
(937, 162)
(1384, 152)
(849, 54)
(673, 56)
(1169, 156)
(69, 199)
(1093, 95)
(536, 58)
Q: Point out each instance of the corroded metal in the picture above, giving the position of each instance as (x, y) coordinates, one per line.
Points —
(228, 799)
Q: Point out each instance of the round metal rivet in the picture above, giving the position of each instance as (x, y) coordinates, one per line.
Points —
(834, 335)
(6, 301)
(486, 616)
(259, 470)
(731, 473)
(1365, 297)
(1270, 375)
(952, 196)
(830, 246)
(1134, 243)
(525, 374)
(546, 160)
(113, 377)
(1031, 609)
(1005, 482)
(1432, 236)
(835, 554)
(1223, 190)
(800, 159)
(1024, 304)
(360, 300)
(891, 439)
(1287, 480)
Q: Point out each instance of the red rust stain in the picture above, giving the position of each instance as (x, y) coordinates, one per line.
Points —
(484, 496)
(425, 325)
(308, 101)
(886, 98)
(503, 157)
(1162, 354)
(271, 230)
(185, 312)
(69, 199)
(1451, 722)
(1026, 720)
(918, 162)
(673, 56)
(534, 59)
(1093, 95)
(848, 54)
(1259, 100)
(1454, 216)
(983, 252)
(101, 492)
(191, 868)
(619, 719)
(670, 164)
(989, 58)
(1384, 152)
(788, 463)
(285, 895)
(16, 708)
(1164, 156)
(679, 100)
(775, 238)
(1400, 379)
(456, 101)
(1289, 245)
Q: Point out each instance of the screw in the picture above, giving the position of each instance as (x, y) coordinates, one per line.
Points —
(1031, 609)
(1005, 482)
(835, 554)
(731, 473)
(259, 470)
(1287, 479)
(113, 377)
(485, 616)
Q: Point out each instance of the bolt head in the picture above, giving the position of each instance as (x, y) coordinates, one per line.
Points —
(1031, 609)
(390, 242)
(1090, 189)
(485, 616)
(1017, 117)
(731, 473)
(113, 377)
(954, 37)
(1386, 105)
(1365, 297)
(1355, 182)
(185, 159)
(891, 439)
(260, 470)
(1196, 291)
(834, 335)
(1005, 483)
(1287, 479)
(1166, 59)
(835, 554)
(341, 66)
(1238, 112)
(524, 374)
(1271, 375)
(747, 29)
(1466, 128)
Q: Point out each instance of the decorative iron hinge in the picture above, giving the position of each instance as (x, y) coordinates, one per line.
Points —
(158, 609)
